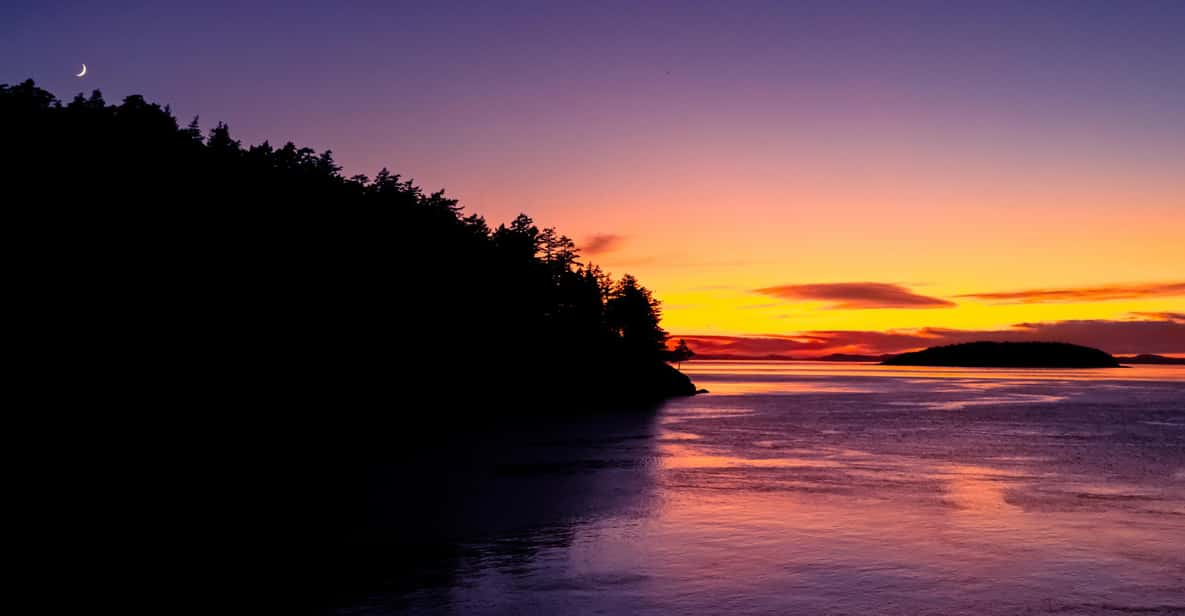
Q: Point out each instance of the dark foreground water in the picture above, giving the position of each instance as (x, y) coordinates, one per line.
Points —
(801, 488)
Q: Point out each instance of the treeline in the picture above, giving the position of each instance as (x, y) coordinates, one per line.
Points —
(179, 262)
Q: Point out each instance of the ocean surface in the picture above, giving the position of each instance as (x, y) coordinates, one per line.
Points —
(802, 488)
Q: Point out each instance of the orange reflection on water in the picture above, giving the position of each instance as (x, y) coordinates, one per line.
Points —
(1060, 491)
(676, 455)
(800, 516)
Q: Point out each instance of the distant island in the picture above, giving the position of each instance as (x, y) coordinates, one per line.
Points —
(1008, 355)
(856, 357)
(734, 357)
(836, 357)
(1151, 359)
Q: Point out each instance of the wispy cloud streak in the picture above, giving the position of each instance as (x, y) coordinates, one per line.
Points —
(601, 243)
(1082, 294)
(856, 295)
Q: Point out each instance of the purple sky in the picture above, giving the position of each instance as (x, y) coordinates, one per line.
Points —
(435, 88)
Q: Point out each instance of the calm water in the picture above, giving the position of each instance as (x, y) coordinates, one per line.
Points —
(802, 488)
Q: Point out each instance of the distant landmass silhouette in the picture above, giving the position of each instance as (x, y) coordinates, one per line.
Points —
(856, 357)
(836, 357)
(1008, 355)
(1147, 358)
(732, 357)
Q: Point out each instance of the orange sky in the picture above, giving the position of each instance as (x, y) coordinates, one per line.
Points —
(968, 194)
(1061, 218)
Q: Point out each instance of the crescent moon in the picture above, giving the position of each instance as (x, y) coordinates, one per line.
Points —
(83, 71)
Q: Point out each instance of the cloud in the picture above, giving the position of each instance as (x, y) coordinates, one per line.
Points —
(857, 295)
(1083, 294)
(1161, 316)
(1118, 337)
(601, 243)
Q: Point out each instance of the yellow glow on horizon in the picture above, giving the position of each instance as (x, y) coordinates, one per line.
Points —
(706, 272)
(708, 216)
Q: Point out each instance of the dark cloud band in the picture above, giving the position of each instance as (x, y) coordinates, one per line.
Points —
(856, 295)
(1162, 335)
(1083, 294)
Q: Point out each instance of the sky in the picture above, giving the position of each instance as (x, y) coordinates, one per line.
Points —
(791, 178)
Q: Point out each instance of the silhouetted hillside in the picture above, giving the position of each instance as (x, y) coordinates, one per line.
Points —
(1007, 355)
(1150, 359)
(837, 357)
(732, 357)
(258, 280)
(856, 358)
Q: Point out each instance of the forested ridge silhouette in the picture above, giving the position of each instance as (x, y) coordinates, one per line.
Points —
(164, 257)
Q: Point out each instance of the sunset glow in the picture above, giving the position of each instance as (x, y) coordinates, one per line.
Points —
(959, 153)
(645, 308)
